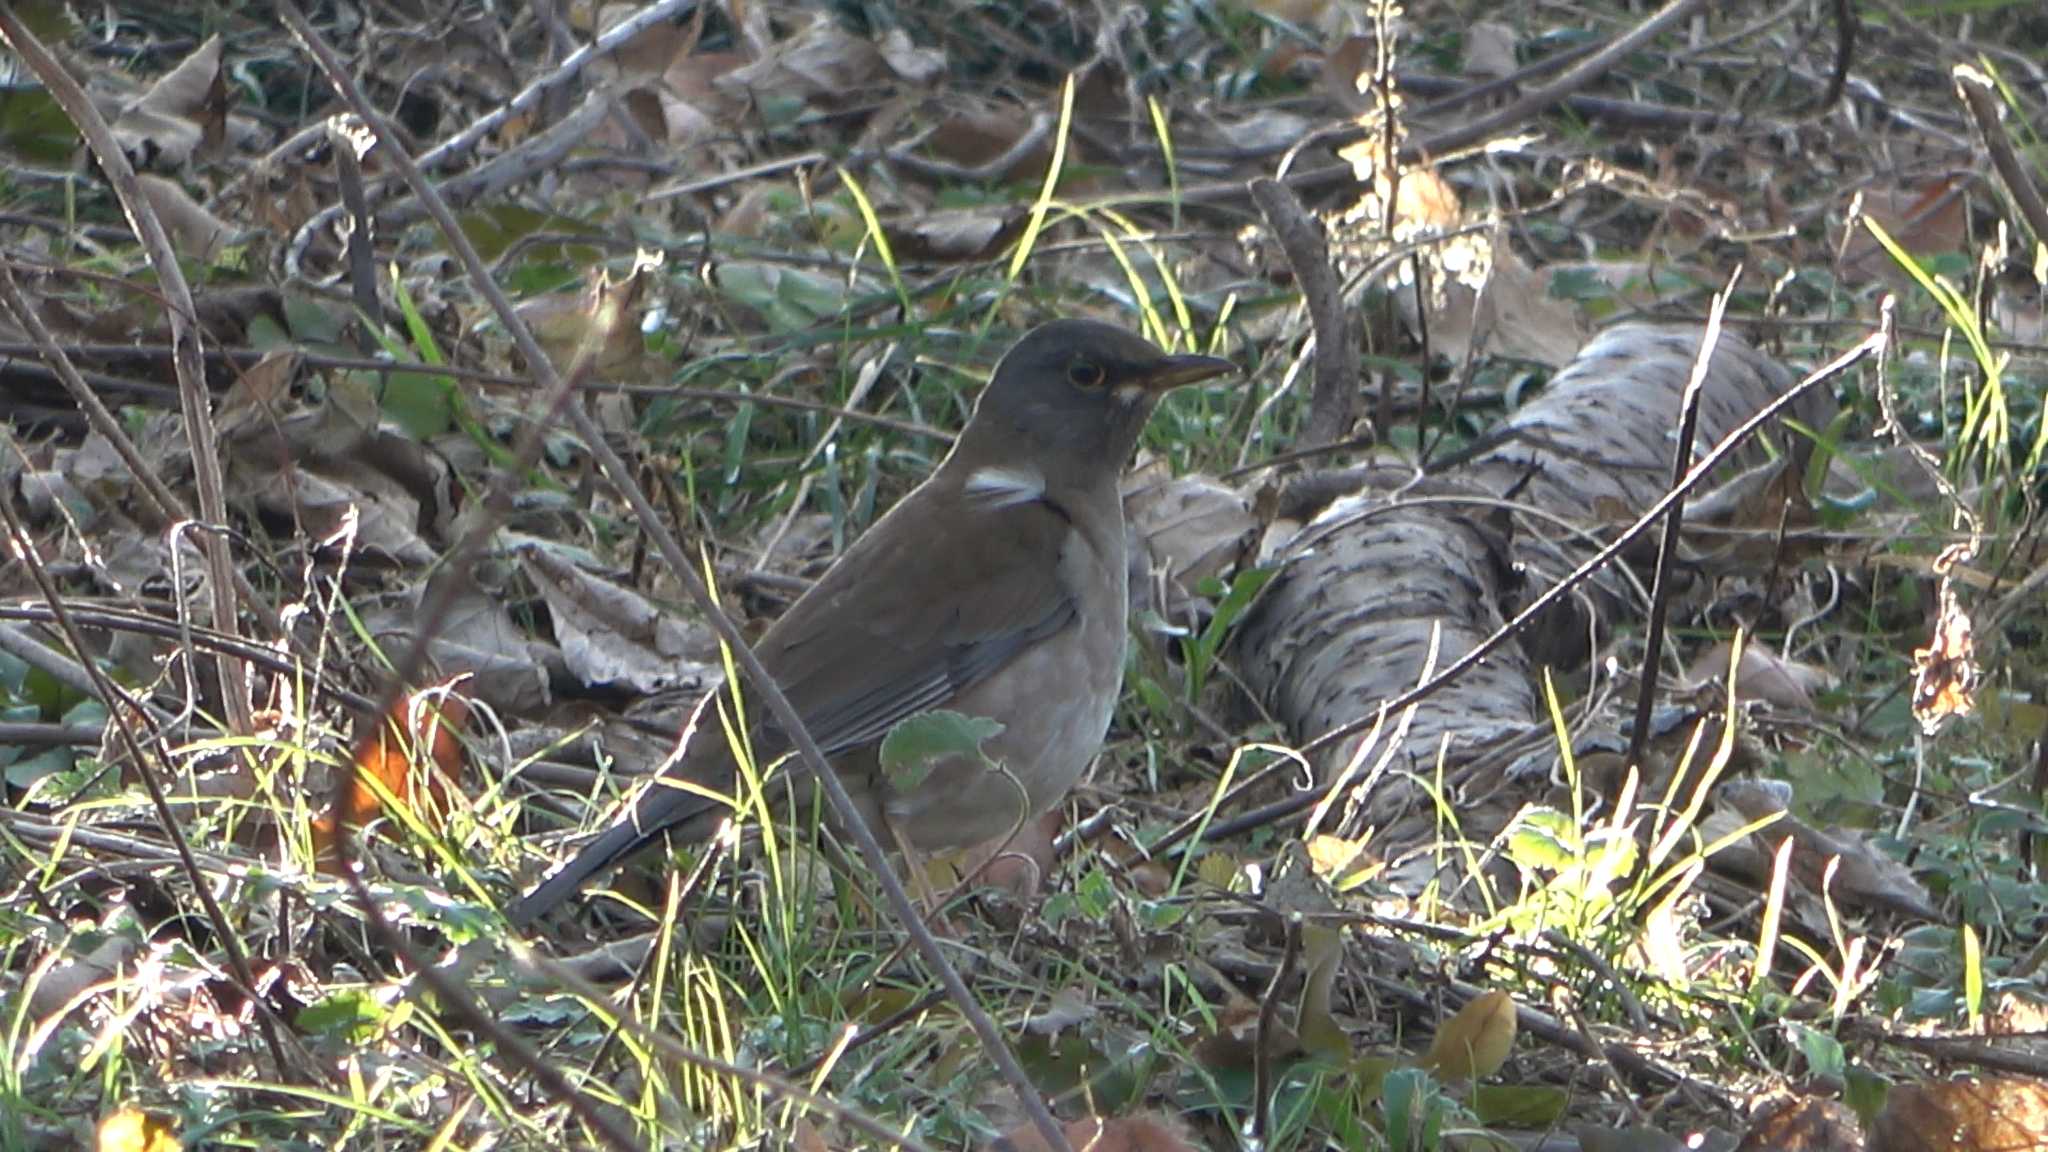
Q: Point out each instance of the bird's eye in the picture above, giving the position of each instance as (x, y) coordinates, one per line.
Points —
(1086, 374)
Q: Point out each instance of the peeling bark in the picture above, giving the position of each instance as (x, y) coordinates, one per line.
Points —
(1347, 622)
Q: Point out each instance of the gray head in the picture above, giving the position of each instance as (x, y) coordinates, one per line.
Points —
(1070, 399)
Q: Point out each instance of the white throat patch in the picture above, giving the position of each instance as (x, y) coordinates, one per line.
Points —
(1005, 487)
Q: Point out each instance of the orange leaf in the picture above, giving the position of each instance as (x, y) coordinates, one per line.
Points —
(130, 1129)
(421, 729)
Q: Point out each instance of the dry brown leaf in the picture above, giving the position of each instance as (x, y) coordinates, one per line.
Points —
(68, 978)
(1514, 315)
(686, 105)
(1945, 672)
(1863, 875)
(611, 636)
(195, 233)
(184, 112)
(1763, 675)
(1802, 1124)
(1139, 1132)
(957, 237)
(1267, 130)
(652, 50)
(1926, 220)
(1190, 528)
(980, 134)
(1490, 50)
(1756, 519)
(1976, 1114)
(1476, 1042)
(823, 62)
(919, 66)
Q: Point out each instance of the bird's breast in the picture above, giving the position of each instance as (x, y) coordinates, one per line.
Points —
(1054, 699)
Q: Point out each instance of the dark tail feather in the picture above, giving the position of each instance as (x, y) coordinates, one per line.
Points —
(659, 813)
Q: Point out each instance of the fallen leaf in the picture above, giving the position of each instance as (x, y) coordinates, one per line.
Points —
(130, 1129)
(1489, 50)
(1476, 1042)
(1802, 1124)
(194, 232)
(1975, 1114)
(1926, 220)
(183, 112)
(1787, 685)
(415, 758)
(613, 637)
(1139, 1132)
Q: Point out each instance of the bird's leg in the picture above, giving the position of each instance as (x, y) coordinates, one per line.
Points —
(929, 906)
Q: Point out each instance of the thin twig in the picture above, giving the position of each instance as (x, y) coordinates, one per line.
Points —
(1308, 253)
(1976, 91)
(1263, 1045)
(1667, 547)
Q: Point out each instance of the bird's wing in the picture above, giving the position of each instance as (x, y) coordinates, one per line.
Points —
(891, 630)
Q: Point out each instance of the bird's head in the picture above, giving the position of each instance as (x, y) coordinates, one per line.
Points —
(1071, 397)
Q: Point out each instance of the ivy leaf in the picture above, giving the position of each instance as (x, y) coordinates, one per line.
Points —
(915, 746)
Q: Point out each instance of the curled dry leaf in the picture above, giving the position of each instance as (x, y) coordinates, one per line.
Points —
(184, 112)
(826, 63)
(1476, 1042)
(1802, 1124)
(956, 237)
(979, 134)
(194, 232)
(1759, 518)
(1486, 296)
(1945, 672)
(612, 636)
(1926, 220)
(1864, 877)
(1489, 50)
(1787, 685)
(910, 62)
(67, 979)
(1189, 528)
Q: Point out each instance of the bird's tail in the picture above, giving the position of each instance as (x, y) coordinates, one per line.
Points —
(660, 812)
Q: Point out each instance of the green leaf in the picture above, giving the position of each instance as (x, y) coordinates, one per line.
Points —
(1518, 1106)
(1865, 1091)
(1544, 840)
(33, 127)
(351, 1016)
(914, 747)
(1824, 1055)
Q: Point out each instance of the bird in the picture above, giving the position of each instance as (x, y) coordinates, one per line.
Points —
(996, 589)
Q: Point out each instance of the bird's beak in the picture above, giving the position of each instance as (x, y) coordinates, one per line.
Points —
(1169, 372)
